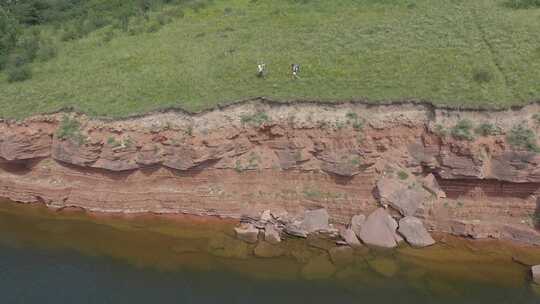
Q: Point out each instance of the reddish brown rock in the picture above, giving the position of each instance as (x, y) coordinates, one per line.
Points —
(23, 146)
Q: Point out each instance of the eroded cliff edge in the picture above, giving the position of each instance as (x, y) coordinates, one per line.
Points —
(254, 156)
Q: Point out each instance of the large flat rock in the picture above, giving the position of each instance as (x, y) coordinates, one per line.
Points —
(379, 230)
(414, 232)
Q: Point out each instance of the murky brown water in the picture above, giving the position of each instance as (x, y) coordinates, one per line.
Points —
(183, 248)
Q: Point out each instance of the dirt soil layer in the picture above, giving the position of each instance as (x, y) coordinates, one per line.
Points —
(246, 158)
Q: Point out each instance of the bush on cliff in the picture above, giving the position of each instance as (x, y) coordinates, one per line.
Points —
(462, 130)
(70, 129)
(521, 137)
(487, 129)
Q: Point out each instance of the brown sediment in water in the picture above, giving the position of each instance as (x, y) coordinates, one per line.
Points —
(175, 243)
(249, 157)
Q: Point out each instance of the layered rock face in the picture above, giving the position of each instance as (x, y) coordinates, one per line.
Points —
(246, 158)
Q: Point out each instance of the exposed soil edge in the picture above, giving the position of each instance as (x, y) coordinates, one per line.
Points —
(428, 105)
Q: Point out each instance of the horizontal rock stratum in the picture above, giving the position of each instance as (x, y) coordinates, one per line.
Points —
(246, 158)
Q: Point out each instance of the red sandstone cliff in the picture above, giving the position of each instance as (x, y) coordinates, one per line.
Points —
(250, 157)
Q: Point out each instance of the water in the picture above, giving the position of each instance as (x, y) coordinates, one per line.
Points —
(51, 257)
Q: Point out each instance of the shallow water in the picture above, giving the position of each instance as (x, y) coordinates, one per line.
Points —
(72, 257)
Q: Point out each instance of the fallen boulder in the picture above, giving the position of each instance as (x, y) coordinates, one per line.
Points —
(356, 223)
(379, 230)
(536, 273)
(431, 185)
(404, 197)
(247, 232)
(293, 229)
(271, 234)
(414, 232)
(315, 220)
(350, 238)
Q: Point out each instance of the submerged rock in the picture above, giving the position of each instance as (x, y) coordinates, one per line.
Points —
(267, 250)
(341, 255)
(319, 267)
(350, 238)
(380, 230)
(414, 232)
(247, 232)
(386, 267)
(271, 234)
(315, 220)
(225, 246)
(536, 273)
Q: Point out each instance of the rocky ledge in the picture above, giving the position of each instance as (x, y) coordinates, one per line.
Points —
(382, 173)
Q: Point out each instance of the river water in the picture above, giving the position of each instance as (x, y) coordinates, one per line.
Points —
(73, 257)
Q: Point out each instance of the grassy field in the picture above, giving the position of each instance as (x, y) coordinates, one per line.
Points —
(477, 53)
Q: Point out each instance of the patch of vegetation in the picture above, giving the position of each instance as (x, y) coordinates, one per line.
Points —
(523, 4)
(463, 130)
(521, 137)
(487, 129)
(357, 122)
(482, 76)
(238, 166)
(256, 119)
(403, 175)
(440, 130)
(536, 119)
(111, 141)
(70, 129)
(94, 52)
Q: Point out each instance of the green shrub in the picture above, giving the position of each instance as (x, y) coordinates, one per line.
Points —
(255, 119)
(153, 27)
(536, 118)
(439, 130)
(28, 45)
(403, 175)
(487, 129)
(521, 137)
(111, 141)
(70, 129)
(18, 73)
(462, 130)
(9, 31)
(17, 68)
(482, 75)
(47, 50)
(71, 32)
(523, 3)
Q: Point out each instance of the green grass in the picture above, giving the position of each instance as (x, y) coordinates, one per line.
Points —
(479, 53)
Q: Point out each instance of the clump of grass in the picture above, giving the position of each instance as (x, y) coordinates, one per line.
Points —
(487, 129)
(256, 119)
(462, 130)
(536, 119)
(523, 4)
(403, 175)
(521, 137)
(111, 141)
(70, 129)
(357, 122)
(482, 75)
(440, 130)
